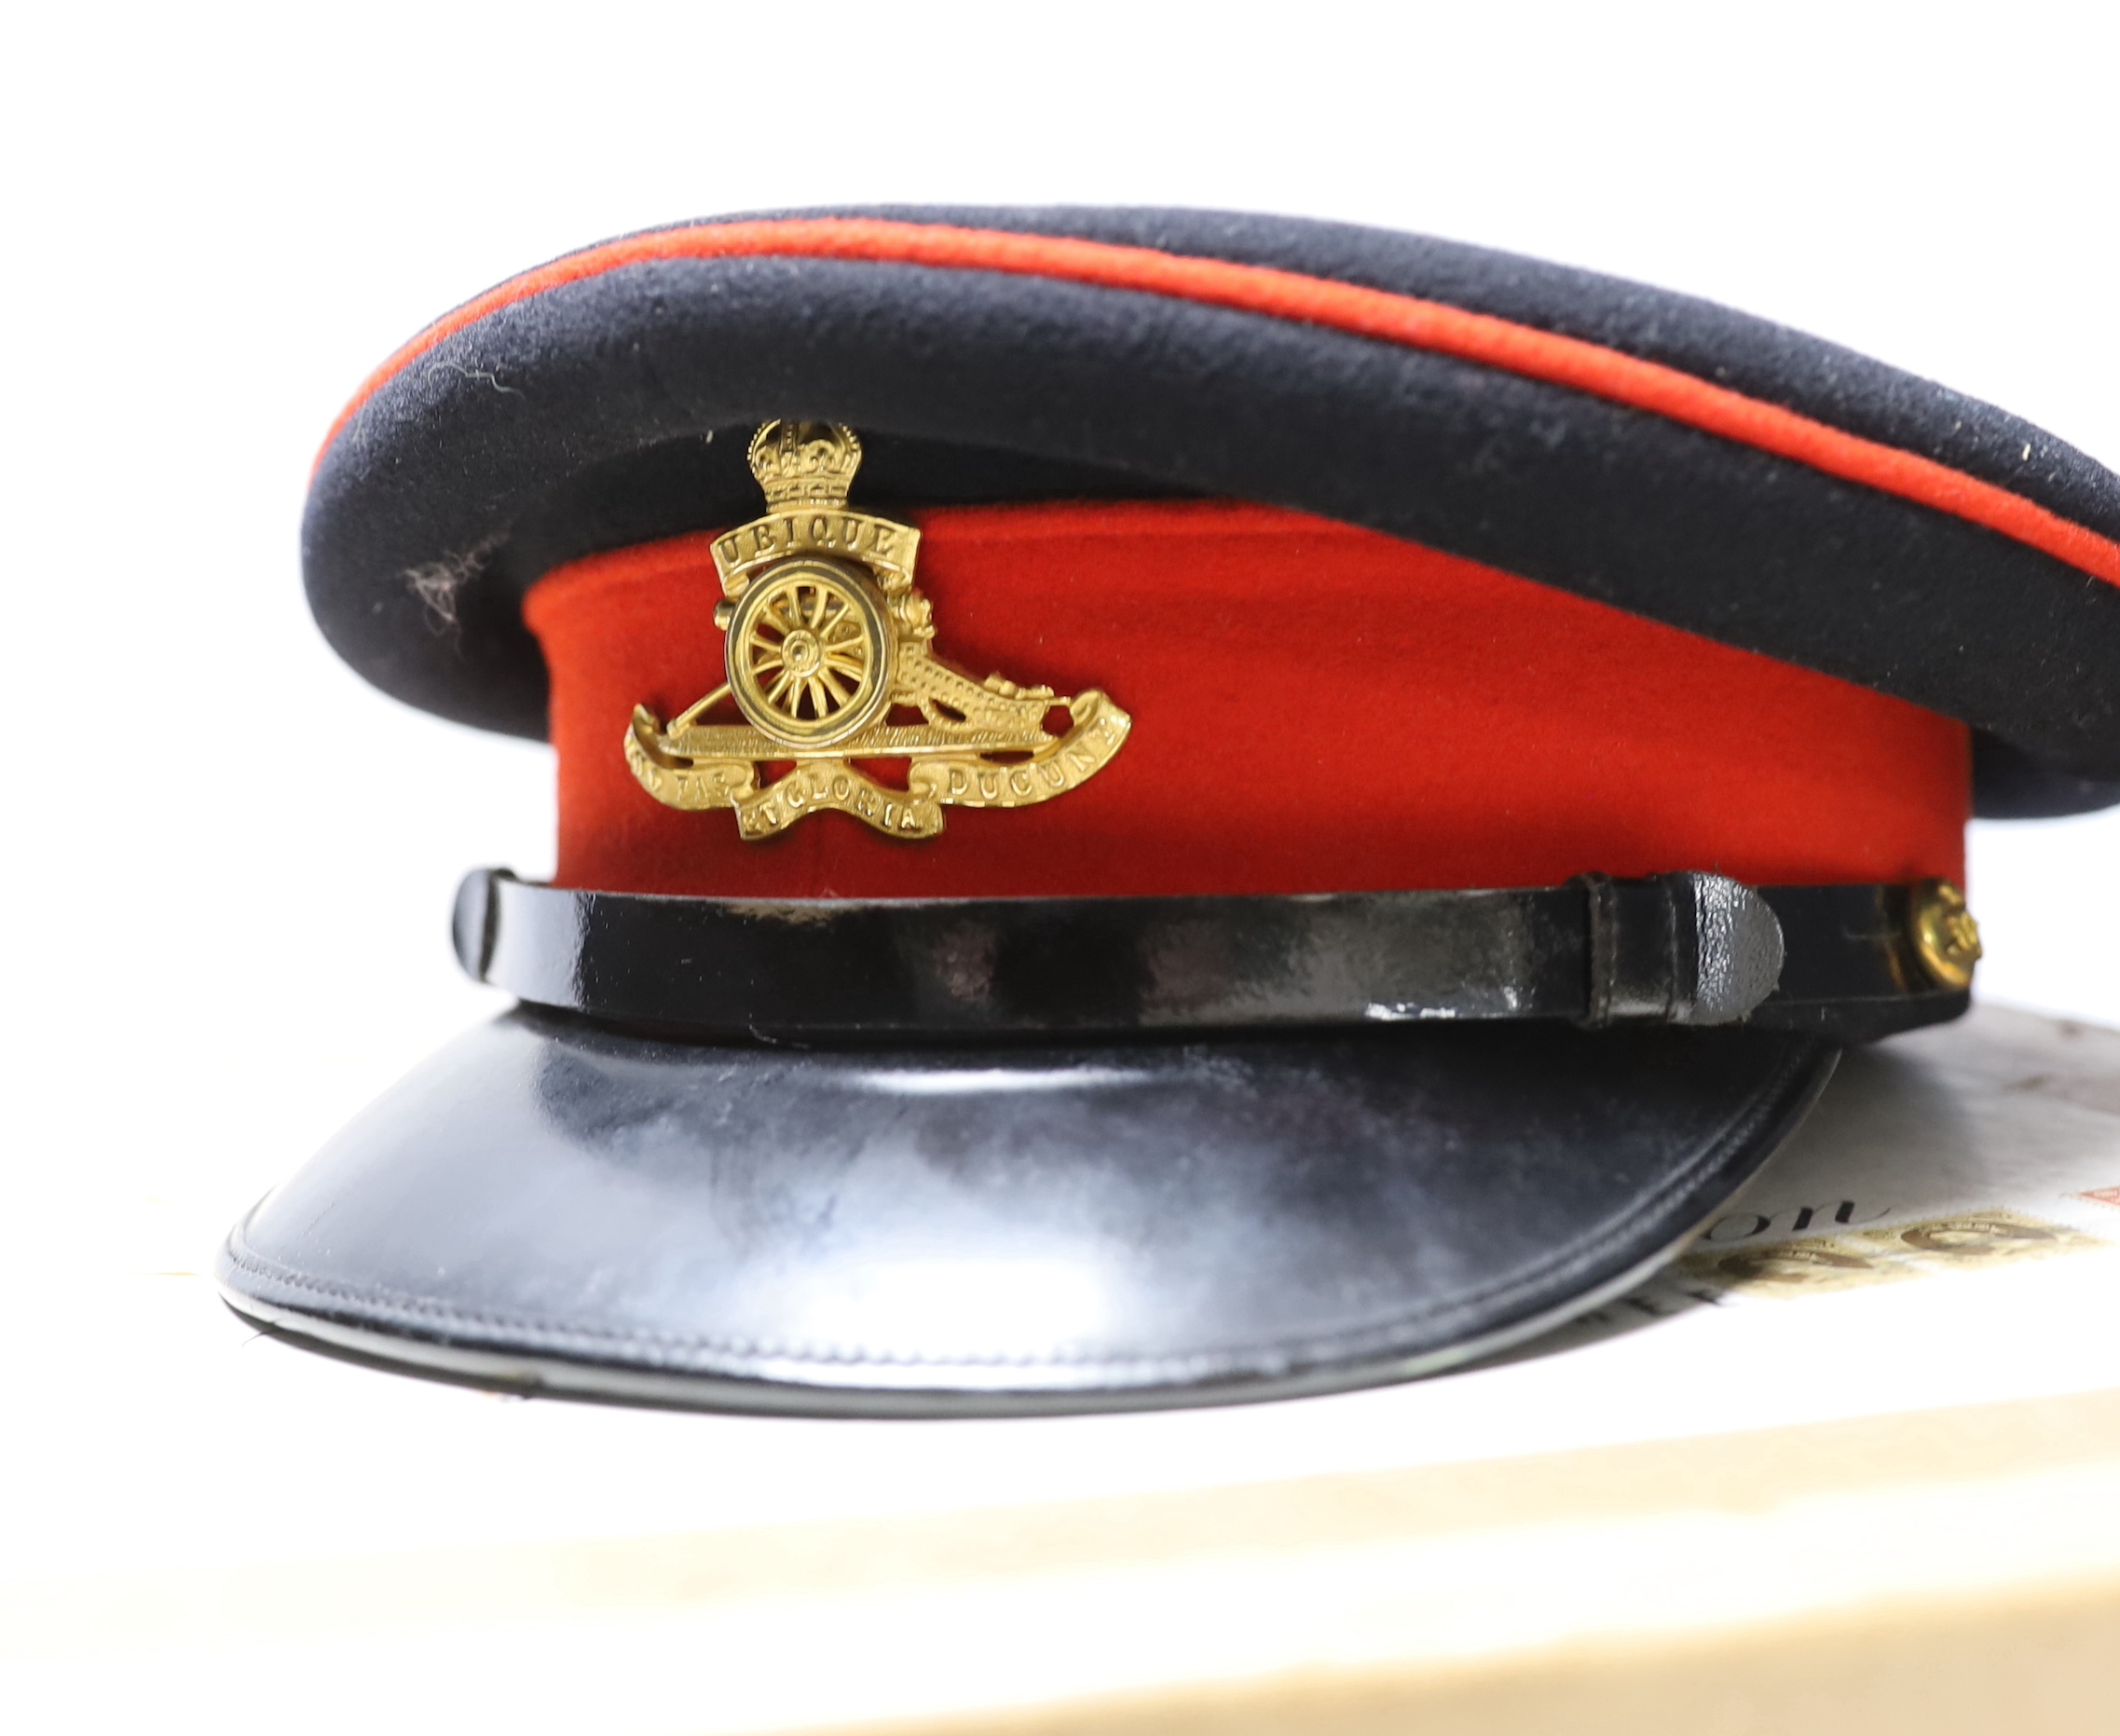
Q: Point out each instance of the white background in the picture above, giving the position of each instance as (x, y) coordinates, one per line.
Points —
(230, 864)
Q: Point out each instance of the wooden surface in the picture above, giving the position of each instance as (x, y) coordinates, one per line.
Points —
(1827, 1476)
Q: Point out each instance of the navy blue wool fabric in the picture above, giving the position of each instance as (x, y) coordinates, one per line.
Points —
(615, 409)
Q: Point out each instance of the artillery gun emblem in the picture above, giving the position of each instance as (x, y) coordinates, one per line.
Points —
(828, 651)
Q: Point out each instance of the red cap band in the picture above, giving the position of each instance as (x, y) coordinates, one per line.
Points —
(1316, 708)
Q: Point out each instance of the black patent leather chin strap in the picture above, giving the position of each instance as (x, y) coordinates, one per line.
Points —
(1680, 949)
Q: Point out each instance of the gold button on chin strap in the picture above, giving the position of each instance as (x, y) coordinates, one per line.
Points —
(1945, 933)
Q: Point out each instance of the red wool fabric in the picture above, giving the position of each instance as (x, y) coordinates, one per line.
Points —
(1316, 708)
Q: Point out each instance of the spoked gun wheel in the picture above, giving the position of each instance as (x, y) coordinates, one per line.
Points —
(810, 653)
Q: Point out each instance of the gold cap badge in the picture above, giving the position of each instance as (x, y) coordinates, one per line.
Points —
(827, 639)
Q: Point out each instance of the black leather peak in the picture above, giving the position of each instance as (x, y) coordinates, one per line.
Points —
(553, 1206)
(1680, 949)
(612, 410)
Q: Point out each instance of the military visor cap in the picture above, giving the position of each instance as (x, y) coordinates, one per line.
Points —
(1154, 807)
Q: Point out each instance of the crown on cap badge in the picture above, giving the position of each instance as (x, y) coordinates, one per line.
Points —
(828, 661)
(805, 463)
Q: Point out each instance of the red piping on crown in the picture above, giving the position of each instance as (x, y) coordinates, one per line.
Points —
(1478, 337)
